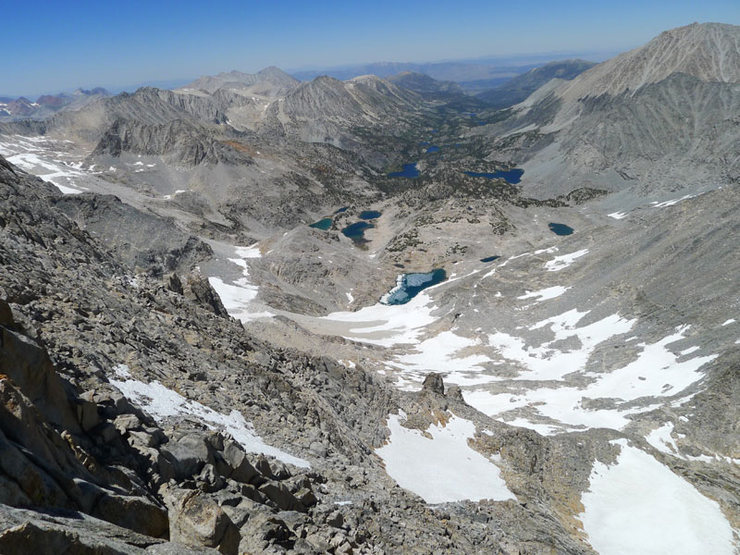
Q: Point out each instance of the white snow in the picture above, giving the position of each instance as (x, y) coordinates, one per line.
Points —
(545, 294)
(237, 296)
(387, 325)
(443, 468)
(728, 322)
(640, 506)
(618, 215)
(28, 154)
(546, 363)
(664, 204)
(161, 402)
(563, 261)
(656, 372)
(661, 439)
(440, 353)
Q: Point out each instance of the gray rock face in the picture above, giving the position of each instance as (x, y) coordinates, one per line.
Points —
(151, 243)
(179, 142)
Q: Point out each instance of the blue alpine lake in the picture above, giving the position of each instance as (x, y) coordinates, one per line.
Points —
(560, 229)
(409, 170)
(432, 149)
(511, 176)
(409, 285)
(342, 209)
(323, 223)
(370, 214)
(356, 232)
(489, 258)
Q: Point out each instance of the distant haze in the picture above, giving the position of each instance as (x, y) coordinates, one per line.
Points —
(49, 49)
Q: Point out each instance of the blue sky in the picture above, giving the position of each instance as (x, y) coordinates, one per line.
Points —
(55, 46)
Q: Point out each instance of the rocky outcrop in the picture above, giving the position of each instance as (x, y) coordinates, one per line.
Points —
(179, 141)
(152, 244)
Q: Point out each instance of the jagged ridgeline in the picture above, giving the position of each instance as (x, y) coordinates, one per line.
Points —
(257, 314)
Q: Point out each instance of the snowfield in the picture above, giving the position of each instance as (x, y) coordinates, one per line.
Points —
(544, 294)
(443, 468)
(640, 506)
(387, 325)
(29, 154)
(656, 372)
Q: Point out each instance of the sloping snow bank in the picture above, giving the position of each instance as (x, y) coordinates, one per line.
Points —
(443, 468)
(161, 402)
(640, 506)
(563, 261)
(387, 325)
(237, 296)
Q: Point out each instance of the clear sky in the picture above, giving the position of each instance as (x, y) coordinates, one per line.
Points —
(60, 45)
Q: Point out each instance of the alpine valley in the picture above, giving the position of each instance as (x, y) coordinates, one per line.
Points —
(379, 315)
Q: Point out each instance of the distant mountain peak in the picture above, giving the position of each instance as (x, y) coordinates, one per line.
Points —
(708, 51)
(270, 81)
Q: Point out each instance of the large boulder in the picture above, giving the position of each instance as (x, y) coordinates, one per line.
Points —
(189, 454)
(233, 463)
(197, 521)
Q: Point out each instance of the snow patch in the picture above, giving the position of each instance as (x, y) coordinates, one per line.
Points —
(161, 402)
(545, 294)
(656, 372)
(238, 295)
(387, 325)
(618, 215)
(563, 261)
(444, 468)
(661, 439)
(666, 203)
(547, 363)
(440, 354)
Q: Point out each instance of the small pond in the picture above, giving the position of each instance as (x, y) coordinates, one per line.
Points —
(560, 229)
(342, 209)
(489, 258)
(432, 149)
(323, 223)
(409, 170)
(409, 285)
(356, 231)
(370, 214)
(511, 176)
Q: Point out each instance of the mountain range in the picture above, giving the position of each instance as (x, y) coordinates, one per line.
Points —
(378, 314)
